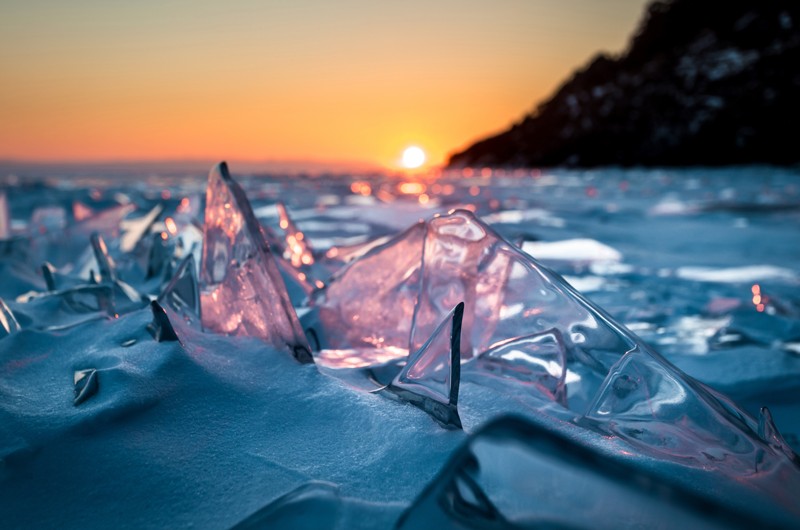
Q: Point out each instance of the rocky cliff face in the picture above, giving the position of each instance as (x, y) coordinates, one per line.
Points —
(701, 83)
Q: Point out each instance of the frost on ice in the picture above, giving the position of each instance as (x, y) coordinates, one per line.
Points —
(243, 292)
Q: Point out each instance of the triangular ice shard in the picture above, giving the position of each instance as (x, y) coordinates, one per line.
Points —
(49, 273)
(86, 386)
(161, 328)
(243, 292)
(770, 434)
(653, 407)
(182, 293)
(431, 378)
(105, 264)
(135, 229)
(538, 361)
(297, 249)
(8, 322)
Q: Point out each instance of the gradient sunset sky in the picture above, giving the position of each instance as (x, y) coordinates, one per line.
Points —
(318, 80)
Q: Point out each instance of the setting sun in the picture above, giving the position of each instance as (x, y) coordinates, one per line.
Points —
(413, 157)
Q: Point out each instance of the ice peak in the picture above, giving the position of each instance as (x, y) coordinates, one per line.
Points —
(243, 291)
(431, 377)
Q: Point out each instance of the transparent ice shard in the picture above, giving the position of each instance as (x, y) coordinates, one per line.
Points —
(770, 434)
(515, 474)
(86, 385)
(54, 240)
(415, 277)
(182, 293)
(161, 328)
(105, 264)
(107, 222)
(50, 274)
(662, 412)
(297, 249)
(126, 298)
(537, 361)
(461, 261)
(159, 256)
(5, 217)
(370, 303)
(8, 322)
(134, 230)
(243, 291)
(59, 310)
(431, 377)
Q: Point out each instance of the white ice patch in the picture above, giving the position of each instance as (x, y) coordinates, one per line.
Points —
(673, 207)
(580, 250)
(753, 273)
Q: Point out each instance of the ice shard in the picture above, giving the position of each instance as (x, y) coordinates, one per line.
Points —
(397, 293)
(86, 386)
(60, 310)
(297, 249)
(49, 273)
(243, 291)
(770, 434)
(661, 412)
(134, 230)
(8, 321)
(537, 361)
(431, 377)
(5, 217)
(516, 474)
(106, 266)
(159, 257)
(126, 298)
(461, 260)
(370, 303)
(161, 328)
(182, 293)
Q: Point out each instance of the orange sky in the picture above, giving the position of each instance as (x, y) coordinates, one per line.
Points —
(284, 80)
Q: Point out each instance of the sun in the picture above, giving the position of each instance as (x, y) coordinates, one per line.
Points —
(413, 157)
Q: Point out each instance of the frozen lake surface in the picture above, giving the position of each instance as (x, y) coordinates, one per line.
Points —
(287, 399)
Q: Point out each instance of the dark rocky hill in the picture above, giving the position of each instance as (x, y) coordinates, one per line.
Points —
(701, 83)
